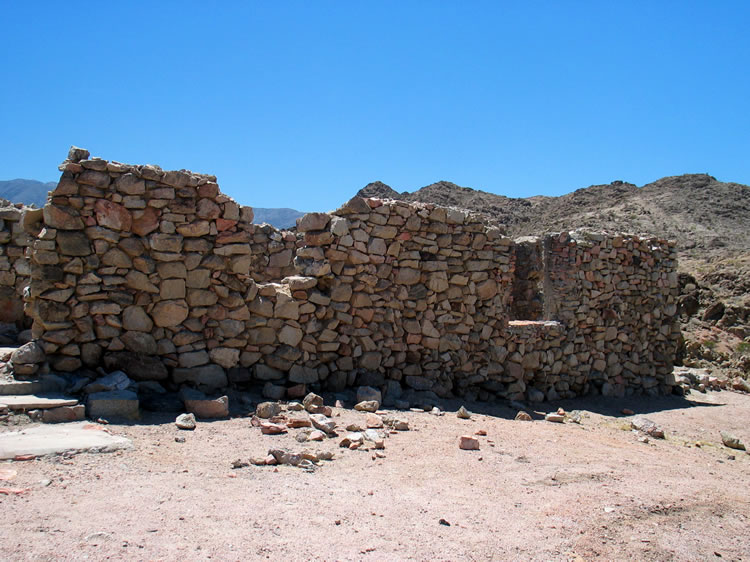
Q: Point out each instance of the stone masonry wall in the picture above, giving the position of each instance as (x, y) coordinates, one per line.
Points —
(159, 274)
(16, 236)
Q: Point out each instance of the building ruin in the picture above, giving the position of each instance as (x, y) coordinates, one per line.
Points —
(159, 274)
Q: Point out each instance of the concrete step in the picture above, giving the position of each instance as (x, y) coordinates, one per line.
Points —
(25, 402)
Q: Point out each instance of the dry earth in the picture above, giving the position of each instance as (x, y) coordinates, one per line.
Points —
(534, 491)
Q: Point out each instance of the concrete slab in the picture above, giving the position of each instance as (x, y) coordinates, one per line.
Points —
(36, 402)
(77, 437)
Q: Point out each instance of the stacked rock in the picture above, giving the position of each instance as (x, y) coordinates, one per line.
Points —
(159, 274)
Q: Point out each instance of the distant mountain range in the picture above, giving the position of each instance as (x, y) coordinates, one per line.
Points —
(35, 192)
(26, 191)
(278, 217)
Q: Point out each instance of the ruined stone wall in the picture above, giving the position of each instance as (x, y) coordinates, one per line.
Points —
(15, 272)
(159, 274)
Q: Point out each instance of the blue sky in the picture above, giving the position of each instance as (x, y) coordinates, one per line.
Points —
(300, 104)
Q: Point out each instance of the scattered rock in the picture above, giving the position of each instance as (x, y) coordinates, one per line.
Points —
(316, 435)
(468, 443)
(267, 410)
(731, 441)
(312, 402)
(373, 421)
(523, 416)
(556, 418)
(645, 425)
(397, 424)
(185, 421)
(323, 423)
(352, 439)
(367, 406)
(463, 414)
(295, 423)
(268, 428)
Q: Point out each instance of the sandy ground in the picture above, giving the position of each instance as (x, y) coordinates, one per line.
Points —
(534, 491)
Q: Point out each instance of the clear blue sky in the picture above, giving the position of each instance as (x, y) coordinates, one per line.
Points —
(300, 104)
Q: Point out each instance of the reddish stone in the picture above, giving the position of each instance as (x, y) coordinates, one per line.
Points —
(146, 221)
(232, 238)
(468, 443)
(224, 224)
(111, 215)
(209, 189)
(267, 428)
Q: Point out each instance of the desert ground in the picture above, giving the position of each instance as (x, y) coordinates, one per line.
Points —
(533, 491)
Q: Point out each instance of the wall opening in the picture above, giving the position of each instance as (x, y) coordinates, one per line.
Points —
(528, 294)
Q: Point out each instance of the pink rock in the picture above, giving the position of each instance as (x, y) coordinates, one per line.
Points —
(468, 443)
(145, 221)
(268, 428)
(316, 435)
(224, 224)
(111, 215)
(271, 460)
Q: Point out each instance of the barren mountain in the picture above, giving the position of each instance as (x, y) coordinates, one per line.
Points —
(697, 210)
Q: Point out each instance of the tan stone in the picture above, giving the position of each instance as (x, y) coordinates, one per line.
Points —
(170, 313)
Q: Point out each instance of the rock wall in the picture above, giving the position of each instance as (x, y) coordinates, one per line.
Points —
(15, 272)
(159, 274)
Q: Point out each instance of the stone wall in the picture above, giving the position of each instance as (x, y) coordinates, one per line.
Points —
(15, 240)
(159, 274)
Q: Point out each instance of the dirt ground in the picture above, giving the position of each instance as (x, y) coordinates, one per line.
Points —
(534, 491)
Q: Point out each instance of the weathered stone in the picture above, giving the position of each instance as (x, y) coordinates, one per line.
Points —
(64, 414)
(647, 426)
(137, 366)
(313, 221)
(170, 313)
(139, 342)
(267, 410)
(136, 319)
(206, 408)
(323, 423)
(731, 441)
(225, 356)
(62, 218)
(73, 243)
(111, 215)
(367, 406)
(28, 353)
(113, 404)
(468, 443)
(205, 377)
(185, 421)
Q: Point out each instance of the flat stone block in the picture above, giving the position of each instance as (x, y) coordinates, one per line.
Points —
(113, 404)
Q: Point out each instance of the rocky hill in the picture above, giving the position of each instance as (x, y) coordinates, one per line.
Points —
(709, 219)
(697, 210)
